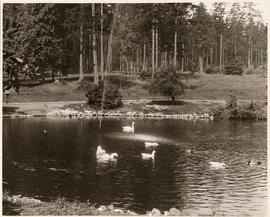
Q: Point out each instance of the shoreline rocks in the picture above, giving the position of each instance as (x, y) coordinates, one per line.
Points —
(27, 202)
(22, 200)
(68, 113)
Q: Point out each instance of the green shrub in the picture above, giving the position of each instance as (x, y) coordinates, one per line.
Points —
(234, 68)
(167, 83)
(112, 99)
(253, 111)
(212, 70)
(219, 113)
(233, 108)
(193, 67)
(145, 74)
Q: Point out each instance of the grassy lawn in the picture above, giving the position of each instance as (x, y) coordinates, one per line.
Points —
(216, 86)
(219, 86)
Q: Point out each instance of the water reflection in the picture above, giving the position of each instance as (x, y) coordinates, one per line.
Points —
(63, 163)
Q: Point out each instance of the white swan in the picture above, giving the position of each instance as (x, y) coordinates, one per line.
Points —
(100, 151)
(107, 157)
(217, 165)
(148, 156)
(129, 129)
(103, 156)
(151, 144)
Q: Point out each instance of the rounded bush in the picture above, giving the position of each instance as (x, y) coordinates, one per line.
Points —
(212, 70)
(112, 98)
(234, 68)
(167, 83)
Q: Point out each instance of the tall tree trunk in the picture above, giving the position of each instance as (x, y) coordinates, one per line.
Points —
(136, 62)
(156, 47)
(166, 58)
(249, 52)
(89, 53)
(101, 43)
(191, 57)
(182, 57)
(211, 56)
(216, 54)
(200, 59)
(235, 48)
(175, 49)
(187, 57)
(144, 56)
(261, 52)
(200, 64)
(81, 77)
(110, 41)
(94, 41)
(153, 52)
(221, 53)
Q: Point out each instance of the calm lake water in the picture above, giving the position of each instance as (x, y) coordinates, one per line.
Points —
(63, 163)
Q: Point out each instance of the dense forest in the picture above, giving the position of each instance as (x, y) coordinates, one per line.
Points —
(131, 38)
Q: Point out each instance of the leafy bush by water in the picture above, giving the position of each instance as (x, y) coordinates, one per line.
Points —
(253, 111)
(233, 110)
(112, 99)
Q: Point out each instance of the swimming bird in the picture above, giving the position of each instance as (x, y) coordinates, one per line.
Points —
(252, 163)
(103, 156)
(217, 165)
(100, 151)
(148, 156)
(188, 151)
(129, 129)
(107, 157)
(151, 144)
(45, 131)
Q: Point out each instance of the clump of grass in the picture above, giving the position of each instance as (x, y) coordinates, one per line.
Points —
(61, 206)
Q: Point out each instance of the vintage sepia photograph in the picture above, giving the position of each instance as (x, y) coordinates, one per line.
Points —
(134, 108)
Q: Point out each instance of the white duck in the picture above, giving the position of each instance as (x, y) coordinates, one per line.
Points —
(129, 129)
(149, 156)
(217, 165)
(151, 144)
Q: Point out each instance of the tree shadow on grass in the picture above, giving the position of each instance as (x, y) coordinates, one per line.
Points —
(9, 109)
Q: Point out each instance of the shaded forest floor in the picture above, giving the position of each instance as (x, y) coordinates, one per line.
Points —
(198, 87)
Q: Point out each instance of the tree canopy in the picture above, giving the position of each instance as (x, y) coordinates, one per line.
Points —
(59, 37)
